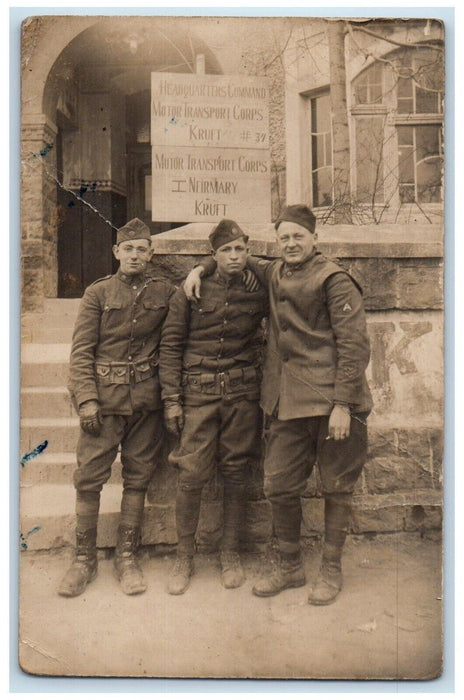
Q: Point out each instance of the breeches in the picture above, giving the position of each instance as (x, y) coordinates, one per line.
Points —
(220, 432)
(140, 436)
(295, 446)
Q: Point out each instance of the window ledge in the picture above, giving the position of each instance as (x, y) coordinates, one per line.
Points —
(369, 109)
(398, 119)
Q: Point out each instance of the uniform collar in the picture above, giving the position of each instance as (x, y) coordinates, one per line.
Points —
(130, 279)
(228, 281)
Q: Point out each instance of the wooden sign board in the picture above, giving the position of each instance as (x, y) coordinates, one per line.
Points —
(210, 148)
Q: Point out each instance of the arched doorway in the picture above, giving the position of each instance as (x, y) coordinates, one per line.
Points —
(98, 96)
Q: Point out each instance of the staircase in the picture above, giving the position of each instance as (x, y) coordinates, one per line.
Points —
(47, 492)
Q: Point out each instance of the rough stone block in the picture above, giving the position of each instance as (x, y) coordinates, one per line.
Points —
(163, 485)
(159, 525)
(381, 443)
(420, 284)
(380, 519)
(377, 277)
(436, 443)
(423, 518)
(173, 267)
(393, 472)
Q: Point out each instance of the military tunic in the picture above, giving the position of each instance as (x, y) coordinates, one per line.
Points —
(317, 354)
(208, 360)
(114, 360)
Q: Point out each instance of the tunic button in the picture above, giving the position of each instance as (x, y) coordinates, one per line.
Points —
(226, 304)
(225, 321)
(221, 339)
(289, 274)
(134, 287)
(134, 320)
(130, 357)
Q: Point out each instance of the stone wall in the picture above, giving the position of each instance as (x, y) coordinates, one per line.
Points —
(39, 267)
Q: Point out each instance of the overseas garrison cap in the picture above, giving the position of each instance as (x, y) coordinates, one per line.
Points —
(298, 214)
(133, 230)
(225, 232)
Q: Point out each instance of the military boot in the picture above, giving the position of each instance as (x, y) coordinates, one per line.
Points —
(288, 572)
(84, 567)
(329, 582)
(180, 575)
(232, 572)
(126, 567)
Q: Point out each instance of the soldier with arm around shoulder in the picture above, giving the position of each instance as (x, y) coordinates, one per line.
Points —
(210, 386)
(315, 392)
(115, 388)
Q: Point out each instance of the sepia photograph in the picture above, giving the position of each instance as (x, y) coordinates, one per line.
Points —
(232, 347)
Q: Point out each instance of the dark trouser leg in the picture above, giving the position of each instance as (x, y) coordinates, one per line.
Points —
(239, 448)
(95, 455)
(195, 459)
(140, 449)
(337, 518)
(234, 515)
(330, 581)
(85, 563)
(188, 502)
(87, 508)
(288, 463)
(340, 464)
(290, 456)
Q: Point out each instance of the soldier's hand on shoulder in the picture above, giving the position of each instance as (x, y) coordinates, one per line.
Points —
(174, 417)
(90, 417)
(192, 284)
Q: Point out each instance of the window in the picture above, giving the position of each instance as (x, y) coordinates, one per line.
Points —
(368, 91)
(419, 125)
(369, 159)
(367, 87)
(321, 151)
(420, 163)
(420, 82)
(407, 85)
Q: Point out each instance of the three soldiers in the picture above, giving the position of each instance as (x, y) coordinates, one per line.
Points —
(314, 392)
(115, 389)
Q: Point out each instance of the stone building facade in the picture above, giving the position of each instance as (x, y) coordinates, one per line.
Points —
(86, 157)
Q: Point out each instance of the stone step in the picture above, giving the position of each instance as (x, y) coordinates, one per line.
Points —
(58, 468)
(46, 400)
(60, 433)
(45, 332)
(48, 520)
(44, 364)
(53, 325)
